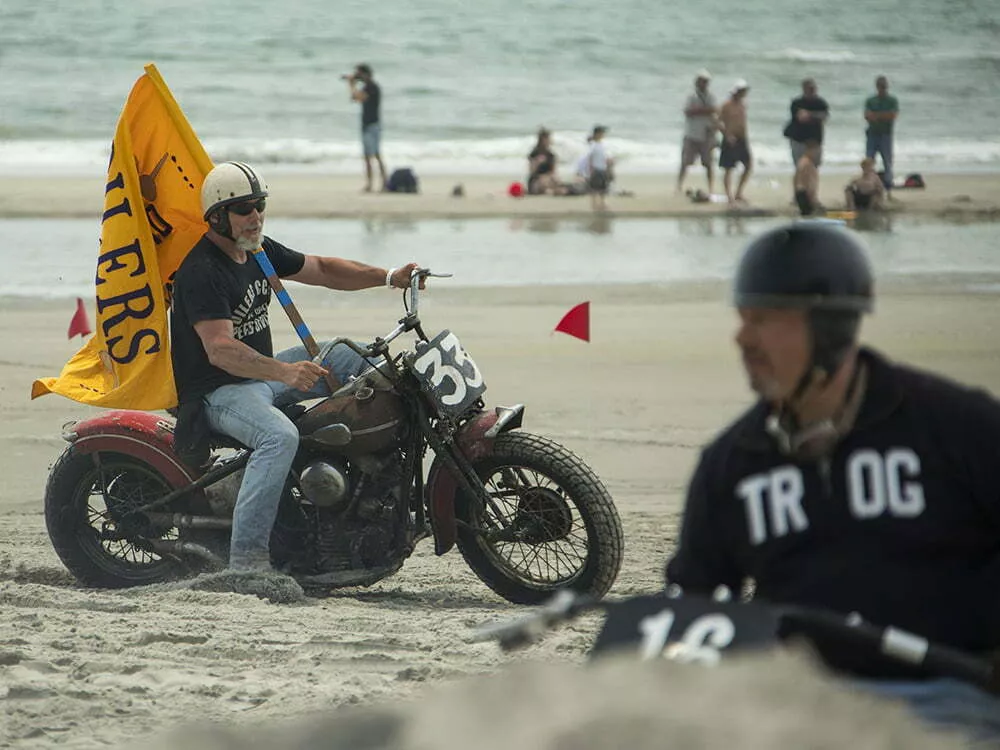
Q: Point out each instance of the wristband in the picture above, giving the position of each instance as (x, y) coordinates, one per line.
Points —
(388, 277)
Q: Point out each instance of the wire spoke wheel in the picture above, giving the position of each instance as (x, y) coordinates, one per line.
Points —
(88, 504)
(112, 490)
(532, 527)
(548, 522)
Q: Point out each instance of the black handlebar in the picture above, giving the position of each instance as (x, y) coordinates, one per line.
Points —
(408, 322)
(895, 644)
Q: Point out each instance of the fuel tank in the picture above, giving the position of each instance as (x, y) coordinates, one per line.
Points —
(368, 407)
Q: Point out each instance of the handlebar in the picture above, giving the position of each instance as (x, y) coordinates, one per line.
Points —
(893, 643)
(408, 322)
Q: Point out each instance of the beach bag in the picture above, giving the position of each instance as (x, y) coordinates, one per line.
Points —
(402, 181)
(914, 180)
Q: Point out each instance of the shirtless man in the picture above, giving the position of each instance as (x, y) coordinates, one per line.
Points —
(866, 191)
(735, 148)
(807, 180)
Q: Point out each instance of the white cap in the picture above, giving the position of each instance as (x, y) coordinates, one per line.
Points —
(740, 85)
(703, 73)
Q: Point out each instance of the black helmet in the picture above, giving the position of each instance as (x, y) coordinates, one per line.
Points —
(808, 264)
(816, 266)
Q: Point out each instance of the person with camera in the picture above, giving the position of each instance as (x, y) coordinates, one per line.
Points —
(855, 484)
(363, 89)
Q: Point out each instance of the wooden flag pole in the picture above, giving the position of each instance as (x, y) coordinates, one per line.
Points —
(305, 335)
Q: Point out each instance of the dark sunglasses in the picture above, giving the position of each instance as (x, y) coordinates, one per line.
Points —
(244, 209)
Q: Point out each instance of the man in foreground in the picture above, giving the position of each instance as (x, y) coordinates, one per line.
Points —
(855, 484)
(222, 353)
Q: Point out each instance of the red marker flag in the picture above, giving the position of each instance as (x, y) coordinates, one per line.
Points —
(79, 324)
(576, 322)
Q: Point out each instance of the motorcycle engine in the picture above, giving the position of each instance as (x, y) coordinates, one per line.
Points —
(367, 534)
(324, 484)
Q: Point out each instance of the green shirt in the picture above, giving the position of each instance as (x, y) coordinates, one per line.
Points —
(877, 103)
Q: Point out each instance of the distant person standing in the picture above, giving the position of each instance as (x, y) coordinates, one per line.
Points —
(700, 125)
(809, 115)
(735, 146)
(806, 180)
(599, 168)
(881, 111)
(363, 89)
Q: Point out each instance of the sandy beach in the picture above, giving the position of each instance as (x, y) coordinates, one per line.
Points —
(82, 668)
(973, 196)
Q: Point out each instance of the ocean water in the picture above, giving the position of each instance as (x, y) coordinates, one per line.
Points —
(466, 84)
(57, 258)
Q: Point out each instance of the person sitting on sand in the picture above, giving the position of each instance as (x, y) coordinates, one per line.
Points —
(866, 191)
(542, 167)
(807, 180)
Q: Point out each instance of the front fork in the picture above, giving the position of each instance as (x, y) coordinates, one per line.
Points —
(453, 468)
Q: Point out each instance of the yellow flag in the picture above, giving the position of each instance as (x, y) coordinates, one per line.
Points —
(152, 218)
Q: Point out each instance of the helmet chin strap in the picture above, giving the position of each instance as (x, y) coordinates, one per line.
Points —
(220, 224)
(816, 439)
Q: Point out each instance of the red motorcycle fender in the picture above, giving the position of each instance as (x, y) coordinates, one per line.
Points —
(475, 440)
(139, 434)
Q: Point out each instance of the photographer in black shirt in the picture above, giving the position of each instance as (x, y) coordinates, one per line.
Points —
(855, 484)
(363, 89)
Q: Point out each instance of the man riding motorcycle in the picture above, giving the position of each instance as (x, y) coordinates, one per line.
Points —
(228, 379)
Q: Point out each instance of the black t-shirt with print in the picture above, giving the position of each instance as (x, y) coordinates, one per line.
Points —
(901, 524)
(209, 285)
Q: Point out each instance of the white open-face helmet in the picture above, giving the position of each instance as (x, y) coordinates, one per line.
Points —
(228, 183)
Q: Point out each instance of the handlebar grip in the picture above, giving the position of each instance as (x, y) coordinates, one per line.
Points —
(894, 643)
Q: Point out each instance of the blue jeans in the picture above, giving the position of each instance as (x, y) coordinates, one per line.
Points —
(881, 144)
(248, 412)
(945, 704)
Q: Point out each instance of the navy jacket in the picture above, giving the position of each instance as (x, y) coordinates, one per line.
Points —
(901, 525)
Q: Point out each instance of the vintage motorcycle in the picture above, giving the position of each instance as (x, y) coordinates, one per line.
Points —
(529, 517)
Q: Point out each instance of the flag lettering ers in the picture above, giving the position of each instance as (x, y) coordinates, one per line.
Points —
(305, 335)
(125, 266)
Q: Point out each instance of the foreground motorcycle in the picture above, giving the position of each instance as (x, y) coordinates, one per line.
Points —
(529, 517)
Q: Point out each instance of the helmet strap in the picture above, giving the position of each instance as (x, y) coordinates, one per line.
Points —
(218, 220)
(817, 439)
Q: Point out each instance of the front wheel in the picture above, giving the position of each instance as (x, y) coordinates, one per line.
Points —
(549, 524)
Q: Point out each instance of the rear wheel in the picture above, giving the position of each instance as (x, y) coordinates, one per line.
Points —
(87, 499)
(549, 524)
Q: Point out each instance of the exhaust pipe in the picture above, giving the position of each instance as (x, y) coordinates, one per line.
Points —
(186, 521)
(177, 548)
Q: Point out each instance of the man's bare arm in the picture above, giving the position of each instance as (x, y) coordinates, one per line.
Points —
(238, 359)
(339, 273)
